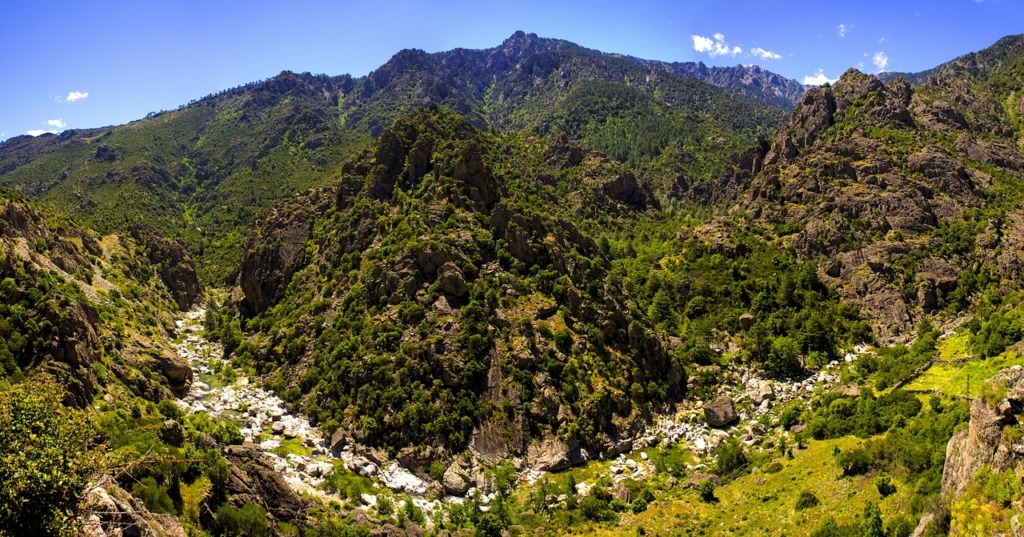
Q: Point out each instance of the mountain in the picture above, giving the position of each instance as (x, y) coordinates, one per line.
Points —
(202, 172)
(906, 197)
(476, 268)
(452, 268)
(748, 80)
(79, 306)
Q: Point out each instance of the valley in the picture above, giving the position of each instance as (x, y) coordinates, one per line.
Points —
(529, 289)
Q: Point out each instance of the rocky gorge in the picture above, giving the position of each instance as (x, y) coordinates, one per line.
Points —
(742, 408)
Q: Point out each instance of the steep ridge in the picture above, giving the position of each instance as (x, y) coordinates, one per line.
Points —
(904, 197)
(199, 173)
(748, 80)
(442, 290)
(202, 172)
(86, 309)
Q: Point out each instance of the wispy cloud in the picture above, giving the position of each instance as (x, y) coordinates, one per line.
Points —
(37, 132)
(880, 60)
(844, 29)
(817, 79)
(764, 54)
(76, 96)
(714, 46)
(58, 123)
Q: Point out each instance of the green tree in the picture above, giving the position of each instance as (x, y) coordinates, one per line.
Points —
(44, 461)
(871, 524)
(249, 520)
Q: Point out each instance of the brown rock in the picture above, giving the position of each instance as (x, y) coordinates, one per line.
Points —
(550, 454)
(172, 433)
(696, 478)
(456, 480)
(720, 412)
(176, 370)
(746, 321)
(253, 479)
(108, 510)
(451, 279)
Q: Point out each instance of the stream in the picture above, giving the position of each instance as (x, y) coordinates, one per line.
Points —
(265, 422)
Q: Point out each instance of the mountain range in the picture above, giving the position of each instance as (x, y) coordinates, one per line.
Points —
(485, 266)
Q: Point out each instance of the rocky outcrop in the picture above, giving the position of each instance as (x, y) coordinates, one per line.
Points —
(174, 265)
(721, 412)
(983, 443)
(276, 249)
(176, 371)
(457, 480)
(549, 454)
(172, 433)
(254, 480)
(107, 510)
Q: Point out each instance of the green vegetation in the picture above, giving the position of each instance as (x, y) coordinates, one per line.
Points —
(45, 461)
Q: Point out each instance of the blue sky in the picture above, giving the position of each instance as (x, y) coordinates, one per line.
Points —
(74, 64)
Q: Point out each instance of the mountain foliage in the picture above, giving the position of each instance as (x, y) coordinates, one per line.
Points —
(201, 173)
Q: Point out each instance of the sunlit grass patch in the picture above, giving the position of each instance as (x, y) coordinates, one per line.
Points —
(952, 379)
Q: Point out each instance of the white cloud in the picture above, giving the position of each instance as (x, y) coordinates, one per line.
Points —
(37, 132)
(714, 47)
(880, 60)
(59, 123)
(817, 79)
(764, 54)
(76, 96)
(844, 29)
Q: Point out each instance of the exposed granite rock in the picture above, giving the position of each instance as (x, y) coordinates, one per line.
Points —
(172, 433)
(110, 511)
(451, 279)
(720, 412)
(253, 479)
(982, 442)
(174, 265)
(550, 454)
(276, 249)
(456, 480)
(176, 370)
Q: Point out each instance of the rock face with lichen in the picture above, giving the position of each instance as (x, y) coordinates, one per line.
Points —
(985, 441)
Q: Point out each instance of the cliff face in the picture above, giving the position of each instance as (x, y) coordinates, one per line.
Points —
(983, 442)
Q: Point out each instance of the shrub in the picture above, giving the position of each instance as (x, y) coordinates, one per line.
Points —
(44, 465)
(437, 469)
(854, 462)
(385, 505)
(249, 520)
(871, 522)
(731, 459)
(900, 526)
(829, 528)
(596, 509)
(806, 500)
(168, 409)
(884, 485)
(154, 495)
(707, 491)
